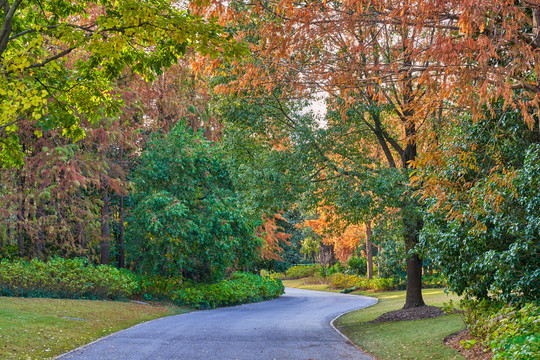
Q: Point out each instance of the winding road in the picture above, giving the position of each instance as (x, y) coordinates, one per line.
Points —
(294, 326)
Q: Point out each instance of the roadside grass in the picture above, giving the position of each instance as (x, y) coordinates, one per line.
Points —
(298, 284)
(36, 328)
(407, 340)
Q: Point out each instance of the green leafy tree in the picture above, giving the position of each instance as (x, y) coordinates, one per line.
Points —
(186, 217)
(57, 59)
(483, 224)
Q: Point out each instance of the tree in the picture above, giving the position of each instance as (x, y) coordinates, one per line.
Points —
(417, 57)
(57, 59)
(186, 216)
(483, 203)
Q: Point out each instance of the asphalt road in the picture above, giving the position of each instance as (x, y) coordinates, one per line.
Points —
(295, 326)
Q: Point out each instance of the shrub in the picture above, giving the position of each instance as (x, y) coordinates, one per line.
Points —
(354, 282)
(382, 284)
(511, 332)
(433, 281)
(240, 288)
(342, 281)
(357, 265)
(301, 271)
(272, 274)
(61, 278)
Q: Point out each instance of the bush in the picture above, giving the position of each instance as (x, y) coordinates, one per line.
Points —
(433, 281)
(357, 265)
(61, 278)
(240, 288)
(354, 282)
(342, 281)
(382, 284)
(511, 332)
(301, 271)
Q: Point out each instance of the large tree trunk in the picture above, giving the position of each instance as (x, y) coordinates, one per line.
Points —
(105, 227)
(414, 265)
(369, 251)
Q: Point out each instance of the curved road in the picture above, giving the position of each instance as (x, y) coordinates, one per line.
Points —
(294, 326)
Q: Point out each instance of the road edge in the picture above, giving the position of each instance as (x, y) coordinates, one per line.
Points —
(344, 336)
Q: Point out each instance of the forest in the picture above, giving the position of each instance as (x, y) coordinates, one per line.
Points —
(198, 143)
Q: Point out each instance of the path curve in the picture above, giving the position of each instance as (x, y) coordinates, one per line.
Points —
(295, 326)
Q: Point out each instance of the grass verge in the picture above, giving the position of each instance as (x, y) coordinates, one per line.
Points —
(45, 328)
(406, 340)
(298, 284)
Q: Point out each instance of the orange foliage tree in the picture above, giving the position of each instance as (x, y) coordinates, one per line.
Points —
(415, 57)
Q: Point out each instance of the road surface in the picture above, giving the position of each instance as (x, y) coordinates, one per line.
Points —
(295, 326)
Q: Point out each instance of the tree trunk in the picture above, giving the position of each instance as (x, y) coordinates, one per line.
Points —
(369, 251)
(39, 242)
(414, 265)
(105, 228)
(20, 217)
(120, 257)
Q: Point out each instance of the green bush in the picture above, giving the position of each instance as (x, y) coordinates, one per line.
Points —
(302, 271)
(382, 284)
(357, 265)
(61, 278)
(354, 282)
(342, 281)
(433, 281)
(240, 288)
(511, 332)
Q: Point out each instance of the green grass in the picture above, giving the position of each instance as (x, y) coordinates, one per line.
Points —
(36, 329)
(297, 283)
(407, 340)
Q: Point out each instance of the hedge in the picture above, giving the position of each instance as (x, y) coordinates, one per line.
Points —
(61, 278)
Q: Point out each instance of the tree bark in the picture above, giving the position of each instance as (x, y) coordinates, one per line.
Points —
(20, 217)
(120, 258)
(413, 297)
(39, 242)
(105, 227)
(369, 251)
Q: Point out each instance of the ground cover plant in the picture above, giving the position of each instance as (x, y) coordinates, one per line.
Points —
(239, 288)
(44, 328)
(61, 278)
(512, 332)
(64, 278)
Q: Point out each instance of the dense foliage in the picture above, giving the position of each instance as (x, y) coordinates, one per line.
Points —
(484, 231)
(60, 278)
(186, 218)
(240, 288)
(513, 333)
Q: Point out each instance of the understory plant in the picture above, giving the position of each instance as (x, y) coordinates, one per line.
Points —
(64, 278)
(512, 332)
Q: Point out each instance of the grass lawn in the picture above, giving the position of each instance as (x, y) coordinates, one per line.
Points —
(36, 329)
(297, 283)
(407, 340)
(404, 340)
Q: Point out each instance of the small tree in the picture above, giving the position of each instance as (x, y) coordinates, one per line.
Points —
(186, 217)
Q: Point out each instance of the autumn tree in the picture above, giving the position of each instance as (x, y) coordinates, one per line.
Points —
(57, 59)
(417, 58)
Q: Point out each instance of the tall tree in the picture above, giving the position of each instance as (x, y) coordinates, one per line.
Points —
(57, 58)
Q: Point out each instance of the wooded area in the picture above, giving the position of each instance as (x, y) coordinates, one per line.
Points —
(194, 139)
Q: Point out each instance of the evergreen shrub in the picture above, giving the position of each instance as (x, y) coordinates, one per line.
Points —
(64, 278)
